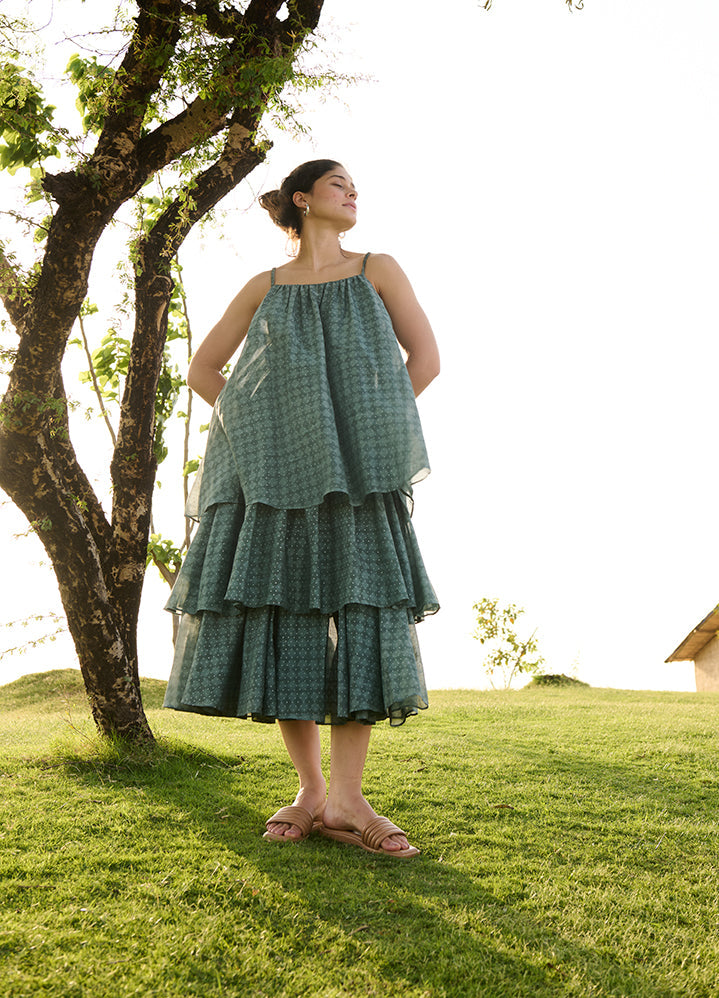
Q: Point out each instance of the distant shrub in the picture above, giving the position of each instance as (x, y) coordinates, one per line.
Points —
(556, 680)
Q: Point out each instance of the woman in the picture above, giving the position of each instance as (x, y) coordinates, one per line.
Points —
(302, 586)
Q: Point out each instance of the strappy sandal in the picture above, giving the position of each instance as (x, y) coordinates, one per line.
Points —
(292, 814)
(371, 837)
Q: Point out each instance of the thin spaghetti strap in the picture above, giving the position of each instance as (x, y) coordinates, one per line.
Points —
(364, 264)
(272, 277)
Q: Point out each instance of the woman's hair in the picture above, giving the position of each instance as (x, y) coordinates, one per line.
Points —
(282, 209)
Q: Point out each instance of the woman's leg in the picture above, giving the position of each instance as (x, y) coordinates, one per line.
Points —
(346, 807)
(302, 739)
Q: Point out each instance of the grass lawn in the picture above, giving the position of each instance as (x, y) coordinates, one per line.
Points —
(569, 845)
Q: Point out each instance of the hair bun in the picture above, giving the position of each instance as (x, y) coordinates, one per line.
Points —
(281, 210)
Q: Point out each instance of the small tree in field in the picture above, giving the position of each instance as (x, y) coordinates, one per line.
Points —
(508, 654)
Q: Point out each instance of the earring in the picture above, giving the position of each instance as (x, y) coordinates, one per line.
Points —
(307, 210)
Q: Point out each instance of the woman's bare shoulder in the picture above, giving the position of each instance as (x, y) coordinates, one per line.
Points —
(382, 270)
(246, 302)
(258, 286)
(382, 260)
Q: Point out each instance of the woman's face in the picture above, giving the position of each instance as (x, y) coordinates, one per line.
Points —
(333, 197)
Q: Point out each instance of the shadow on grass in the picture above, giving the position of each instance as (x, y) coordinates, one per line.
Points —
(204, 788)
(422, 923)
(661, 776)
(434, 926)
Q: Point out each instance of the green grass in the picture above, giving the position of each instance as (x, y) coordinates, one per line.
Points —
(569, 847)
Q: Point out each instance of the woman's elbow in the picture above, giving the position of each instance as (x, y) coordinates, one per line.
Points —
(207, 382)
(431, 367)
(422, 371)
(192, 376)
(196, 378)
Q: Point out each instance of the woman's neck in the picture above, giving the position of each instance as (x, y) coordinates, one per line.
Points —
(319, 250)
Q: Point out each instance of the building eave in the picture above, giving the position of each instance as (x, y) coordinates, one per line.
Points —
(693, 643)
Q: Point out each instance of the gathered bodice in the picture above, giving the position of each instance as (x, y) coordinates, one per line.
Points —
(319, 401)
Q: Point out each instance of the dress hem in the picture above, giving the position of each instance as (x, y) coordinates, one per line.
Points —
(360, 716)
(196, 509)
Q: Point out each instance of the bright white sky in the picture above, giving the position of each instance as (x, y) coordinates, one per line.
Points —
(548, 181)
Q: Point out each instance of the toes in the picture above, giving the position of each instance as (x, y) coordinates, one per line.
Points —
(394, 844)
(286, 831)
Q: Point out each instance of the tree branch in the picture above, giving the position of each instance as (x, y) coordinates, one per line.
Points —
(68, 469)
(133, 463)
(262, 14)
(199, 121)
(111, 174)
(238, 158)
(188, 416)
(206, 116)
(221, 23)
(11, 291)
(148, 55)
(167, 574)
(95, 385)
(304, 18)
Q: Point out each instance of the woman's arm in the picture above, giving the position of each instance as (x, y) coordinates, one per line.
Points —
(411, 325)
(204, 375)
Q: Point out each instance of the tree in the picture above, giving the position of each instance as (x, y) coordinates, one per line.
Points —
(509, 654)
(192, 83)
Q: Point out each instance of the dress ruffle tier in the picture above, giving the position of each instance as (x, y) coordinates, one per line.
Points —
(304, 560)
(302, 586)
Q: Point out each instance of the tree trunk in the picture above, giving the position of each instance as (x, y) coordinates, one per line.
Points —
(62, 516)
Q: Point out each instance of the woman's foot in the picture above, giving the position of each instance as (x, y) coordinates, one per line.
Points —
(354, 815)
(313, 801)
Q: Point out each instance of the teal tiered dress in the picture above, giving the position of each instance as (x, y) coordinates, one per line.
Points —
(301, 589)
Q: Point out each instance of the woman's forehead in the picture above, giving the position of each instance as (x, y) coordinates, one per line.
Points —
(340, 173)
